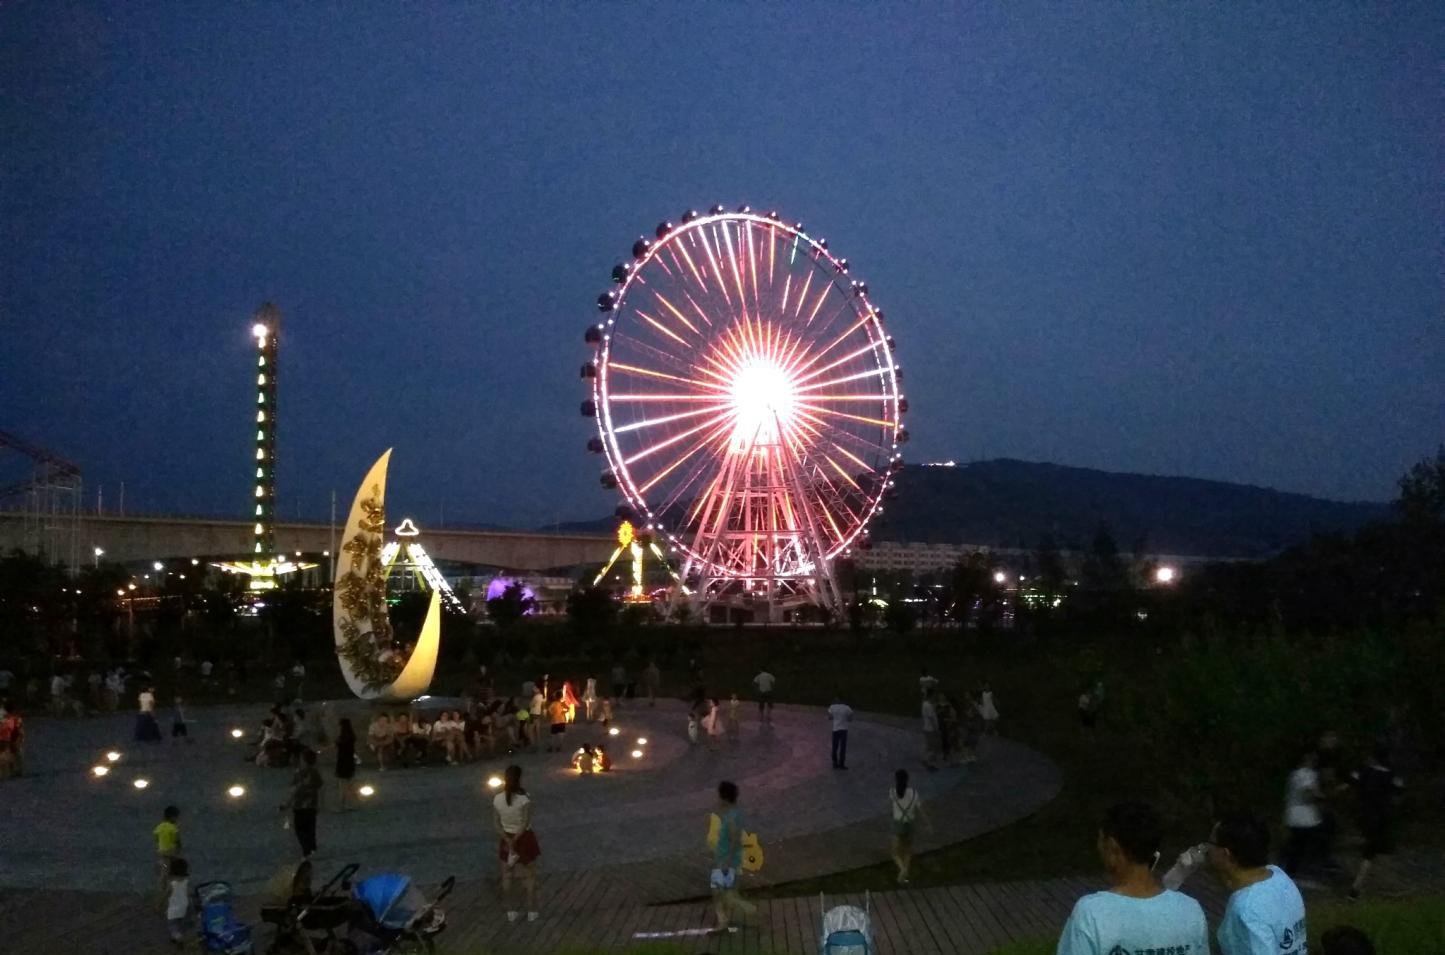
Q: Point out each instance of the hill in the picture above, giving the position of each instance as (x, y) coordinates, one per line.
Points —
(1008, 503)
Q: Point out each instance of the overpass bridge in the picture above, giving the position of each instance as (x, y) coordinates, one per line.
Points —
(127, 539)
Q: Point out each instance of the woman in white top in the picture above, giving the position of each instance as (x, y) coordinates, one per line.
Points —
(906, 811)
(987, 711)
(517, 848)
(147, 730)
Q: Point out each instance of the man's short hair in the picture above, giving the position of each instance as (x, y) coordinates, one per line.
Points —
(1138, 829)
(1246, 837)
(1346, 940)
(727, 791)
(171, 812)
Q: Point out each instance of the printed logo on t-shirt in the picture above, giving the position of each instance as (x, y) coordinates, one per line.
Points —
(1161, 950)
(1288, 940)
(1293, 936)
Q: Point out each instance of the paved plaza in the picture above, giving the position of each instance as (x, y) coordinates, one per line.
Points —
(66, 828)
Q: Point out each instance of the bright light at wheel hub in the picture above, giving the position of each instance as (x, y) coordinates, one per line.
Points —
(763, 398)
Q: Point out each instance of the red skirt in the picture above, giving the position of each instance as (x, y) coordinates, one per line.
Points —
(526, 845)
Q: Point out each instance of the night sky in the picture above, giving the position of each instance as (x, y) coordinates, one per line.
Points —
(1177, 239)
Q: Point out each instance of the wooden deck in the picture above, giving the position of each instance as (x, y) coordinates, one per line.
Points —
(591, 912)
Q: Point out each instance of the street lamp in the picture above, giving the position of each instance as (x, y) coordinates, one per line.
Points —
(99, 553)
(999, 577)
(1166, 575)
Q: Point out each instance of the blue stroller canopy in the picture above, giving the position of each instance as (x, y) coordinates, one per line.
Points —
(380, 892)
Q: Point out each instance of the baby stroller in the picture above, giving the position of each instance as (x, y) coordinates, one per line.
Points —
(395, 916)
(309, 920)
(220, 929)
(847, 929)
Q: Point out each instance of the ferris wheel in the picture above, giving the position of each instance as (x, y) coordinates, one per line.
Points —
(747, 404)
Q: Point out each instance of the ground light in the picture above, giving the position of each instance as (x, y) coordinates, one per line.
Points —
(366, 792)
(614, 731)
(236, 733)
(236, 792)
(637, 754)
(495, 782)
(112, 756)
(141, 783)
(642, 741)
(100, 771)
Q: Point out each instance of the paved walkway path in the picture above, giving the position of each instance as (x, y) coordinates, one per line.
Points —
(590, 912)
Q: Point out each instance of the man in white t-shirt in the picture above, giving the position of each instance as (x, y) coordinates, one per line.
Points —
(841, 714)
(1303, 816)
(1265, 914)
(926, 682)
(765, 682)
(1135, 914)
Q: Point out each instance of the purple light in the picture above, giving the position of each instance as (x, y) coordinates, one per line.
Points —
(499, 585)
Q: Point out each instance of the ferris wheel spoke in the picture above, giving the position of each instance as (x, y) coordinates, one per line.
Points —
(698, 446)
(803, 294)
(833, 433)
(669, 442)
(696, 274)
(733, 260)
(661, 327)
(850, 417)
(650, 373)
(665, 419)
(674, 310)
(835, 343)
(856, 376)
(753, 266)
(716, 269)
(836, 362)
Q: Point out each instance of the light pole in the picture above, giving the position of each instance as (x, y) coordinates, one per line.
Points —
(99, 553)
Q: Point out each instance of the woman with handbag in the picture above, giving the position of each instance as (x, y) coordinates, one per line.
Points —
(517, 848)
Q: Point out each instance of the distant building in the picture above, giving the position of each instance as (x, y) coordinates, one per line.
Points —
(915, 558)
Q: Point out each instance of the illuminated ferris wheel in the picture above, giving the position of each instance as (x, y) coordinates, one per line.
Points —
(747, 403)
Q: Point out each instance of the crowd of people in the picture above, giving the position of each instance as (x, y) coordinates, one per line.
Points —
(953, 730)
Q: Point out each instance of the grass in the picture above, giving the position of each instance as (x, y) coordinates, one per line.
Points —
(1409, 927)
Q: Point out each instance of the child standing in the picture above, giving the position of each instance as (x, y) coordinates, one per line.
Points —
(607, 713)
(178, 902)
(557, 714)
(168, 842)
(734, 705)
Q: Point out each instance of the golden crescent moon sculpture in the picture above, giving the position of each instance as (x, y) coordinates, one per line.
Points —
(366, 648)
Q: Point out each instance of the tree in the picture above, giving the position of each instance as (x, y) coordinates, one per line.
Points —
(899, 616)
(972, 585)
(1422, 491)
(591, 611)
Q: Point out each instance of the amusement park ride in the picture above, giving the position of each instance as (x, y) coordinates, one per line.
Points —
(748, 407)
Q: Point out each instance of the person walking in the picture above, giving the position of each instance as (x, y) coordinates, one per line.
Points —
(589, 698)
(651, 680)
(381, 737)
(987, 710)
(1265, 914)
(1376, 787)
(167, 834)
(517, 844)
(619, 681)
(536, 712)
(841, 714)
(765, 682)
(930, 732)
(345, 764)
(147, 730)
(304, 802)
(905, 809)
(557, 717)
(1136, 913)
(727, 860)
(1302, 816)
(178, 900)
